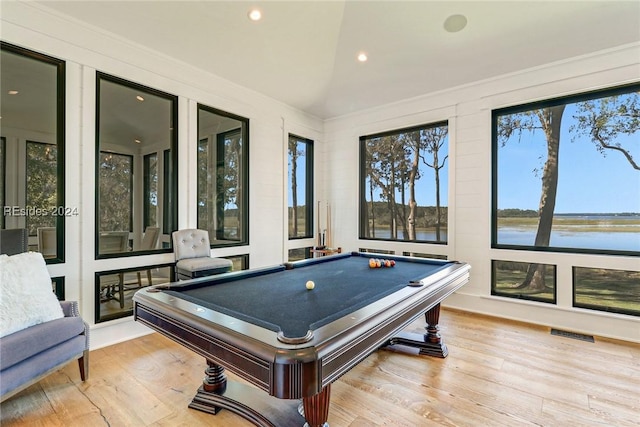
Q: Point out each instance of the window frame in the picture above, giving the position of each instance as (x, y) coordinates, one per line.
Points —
(243, 176)
(170, 159)
(528, 297)
(60, 133)
(520, 108)
(309, 186)
(362, 182)
(575, 276)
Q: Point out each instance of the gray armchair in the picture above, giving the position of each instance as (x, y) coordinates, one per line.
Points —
(29, 355)
(32, 349)
(193, 255)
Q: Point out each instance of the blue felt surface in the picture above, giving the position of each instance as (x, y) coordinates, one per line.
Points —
(280, 301)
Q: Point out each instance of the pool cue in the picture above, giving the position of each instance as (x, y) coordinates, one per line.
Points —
(318, 224)
(328, 225)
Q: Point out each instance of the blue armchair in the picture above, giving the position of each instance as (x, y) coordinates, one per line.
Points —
(29, 355)
(38, 336)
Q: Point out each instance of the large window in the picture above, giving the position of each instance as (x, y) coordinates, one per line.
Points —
(300, 179)
(566, 178)
(567, 174)
(223, 176)
(32, 149)
(404, 185)
(135, 124)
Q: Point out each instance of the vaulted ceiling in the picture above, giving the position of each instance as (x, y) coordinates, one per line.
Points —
(303, 53)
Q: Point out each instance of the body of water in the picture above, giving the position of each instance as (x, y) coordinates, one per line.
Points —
(619, 241)
(581, 236)
(574, 236)
(425, 236)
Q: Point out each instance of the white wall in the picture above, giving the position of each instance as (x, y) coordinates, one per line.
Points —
(468, 110)
(87, 50)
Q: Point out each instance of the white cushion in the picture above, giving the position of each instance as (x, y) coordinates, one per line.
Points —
(26, 295)
(206, 263)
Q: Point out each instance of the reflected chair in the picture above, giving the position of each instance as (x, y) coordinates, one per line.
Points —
(47, 242)
(14, 241)
(192, 253)
(112, 242)
(112, 285)
(149, 242)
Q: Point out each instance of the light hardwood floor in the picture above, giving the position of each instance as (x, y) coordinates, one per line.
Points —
(498, 373)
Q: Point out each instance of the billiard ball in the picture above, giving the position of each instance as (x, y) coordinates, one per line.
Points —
(393, 263)
(372, 263)
(310, 285)
(387, 263)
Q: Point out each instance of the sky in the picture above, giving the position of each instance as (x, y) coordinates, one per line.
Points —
(425, 186)
(588, 181)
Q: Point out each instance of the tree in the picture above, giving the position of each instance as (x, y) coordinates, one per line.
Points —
(412, 140)
(434, 138)
(393, 167)
(115, 186)
(368, 213)
(42, 182)
(294, 153)
(228, 182)
(602, 120)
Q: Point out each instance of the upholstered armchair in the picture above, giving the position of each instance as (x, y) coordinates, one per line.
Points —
(192, 252)
(38, 333)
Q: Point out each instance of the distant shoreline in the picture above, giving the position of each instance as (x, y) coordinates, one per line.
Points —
(579, 223)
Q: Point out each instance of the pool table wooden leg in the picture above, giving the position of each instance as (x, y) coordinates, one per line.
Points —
(255, 405)
(429, 344)
(215, 381)
(434, 344)
(316, 408)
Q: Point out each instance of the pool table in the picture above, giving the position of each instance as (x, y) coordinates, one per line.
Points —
(265, 326)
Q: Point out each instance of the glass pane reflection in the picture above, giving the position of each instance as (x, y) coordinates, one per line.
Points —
(32, 148)
(135, 156)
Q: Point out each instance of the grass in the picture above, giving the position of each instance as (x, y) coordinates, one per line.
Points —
(508, 280)
(595, 288)
(577, 224)
(617, 290)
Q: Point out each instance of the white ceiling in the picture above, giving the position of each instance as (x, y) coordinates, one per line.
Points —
(303, 53)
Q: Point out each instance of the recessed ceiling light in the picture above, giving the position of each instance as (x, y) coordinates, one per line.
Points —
(13, 92)
(137, 141)
(455, 23)
(362, 57)
(255, 14)
(139, 98)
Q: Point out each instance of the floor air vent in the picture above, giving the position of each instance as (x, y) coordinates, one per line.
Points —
(573, 335)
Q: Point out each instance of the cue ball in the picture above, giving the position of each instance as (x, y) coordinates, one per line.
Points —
(310, 284)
